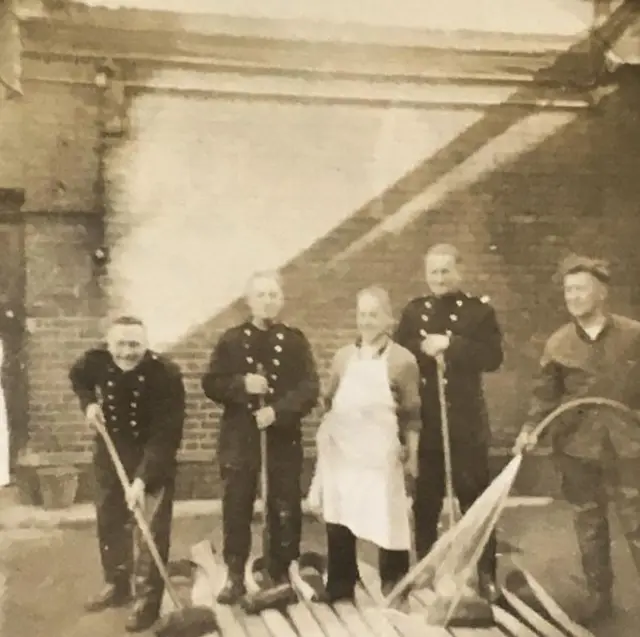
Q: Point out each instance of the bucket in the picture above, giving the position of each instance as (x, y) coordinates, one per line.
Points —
(58, 486)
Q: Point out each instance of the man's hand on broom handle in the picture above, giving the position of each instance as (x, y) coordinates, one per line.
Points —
(94, 414)
(135, 494)
(525, 442)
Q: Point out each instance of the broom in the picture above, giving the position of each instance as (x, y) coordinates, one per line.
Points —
(183, 621)
(450, 563)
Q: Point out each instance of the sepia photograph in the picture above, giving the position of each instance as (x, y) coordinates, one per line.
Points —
(320, 319)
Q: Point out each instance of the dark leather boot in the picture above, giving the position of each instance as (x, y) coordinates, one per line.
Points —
(233, 590)
(111, 596)
(143, 615)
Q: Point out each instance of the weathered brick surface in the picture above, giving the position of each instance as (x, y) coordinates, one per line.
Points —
(577, 190)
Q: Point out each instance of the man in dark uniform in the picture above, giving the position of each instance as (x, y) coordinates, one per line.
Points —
(595, 354)
(140, 397)
(464, 330)
(263, 374)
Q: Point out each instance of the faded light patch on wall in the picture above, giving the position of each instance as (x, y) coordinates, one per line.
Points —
(208, 190)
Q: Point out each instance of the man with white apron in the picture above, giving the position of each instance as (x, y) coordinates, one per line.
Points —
(370, 431)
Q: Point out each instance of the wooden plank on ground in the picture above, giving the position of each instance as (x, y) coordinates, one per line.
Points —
(495, 631)
(254, 624)
(511, 625)
(379, 624)
(553, 608)
(304, 621)
(207, 580)
(535, 620)
(352, 619)
(406, 625)
(330, 622)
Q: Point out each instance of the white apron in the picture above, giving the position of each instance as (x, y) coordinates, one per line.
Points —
(359, 480)
(4, 431)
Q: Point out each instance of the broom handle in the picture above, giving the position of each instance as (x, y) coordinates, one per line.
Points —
(446, 441)
(137, 514)
(264, 481)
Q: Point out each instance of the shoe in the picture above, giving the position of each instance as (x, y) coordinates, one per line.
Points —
(600, 609)
(401, 603)
(142, 617)
(111, 596)
(332, 596)
(233, 590)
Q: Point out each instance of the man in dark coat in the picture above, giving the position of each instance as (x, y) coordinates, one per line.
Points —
(465, 331)
(596, 354)
(263, 374)
(139, 396)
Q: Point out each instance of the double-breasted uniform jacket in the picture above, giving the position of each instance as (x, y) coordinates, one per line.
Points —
(475, 348)
(144, 411)
(281, 353)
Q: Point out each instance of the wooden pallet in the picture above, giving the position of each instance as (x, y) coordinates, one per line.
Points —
(364, 618)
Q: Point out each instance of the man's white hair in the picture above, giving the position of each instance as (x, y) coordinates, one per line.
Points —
(273, 275)
(380, 295)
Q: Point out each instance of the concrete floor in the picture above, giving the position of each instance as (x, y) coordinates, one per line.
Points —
(46, 574)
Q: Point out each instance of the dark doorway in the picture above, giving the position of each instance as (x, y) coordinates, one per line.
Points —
(12, 320)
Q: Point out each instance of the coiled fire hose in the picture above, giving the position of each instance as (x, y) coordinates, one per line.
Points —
(467, 540)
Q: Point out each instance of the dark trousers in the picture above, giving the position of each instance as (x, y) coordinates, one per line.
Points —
(284, 509)
(342, 563)
(586, 485)
(471, 477)
(117, 534)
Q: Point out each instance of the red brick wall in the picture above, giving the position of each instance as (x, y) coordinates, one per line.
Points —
(577, 190)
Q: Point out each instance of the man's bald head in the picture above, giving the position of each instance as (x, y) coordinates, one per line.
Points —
(442, 269)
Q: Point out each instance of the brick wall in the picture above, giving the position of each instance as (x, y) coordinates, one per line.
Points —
(576, 189)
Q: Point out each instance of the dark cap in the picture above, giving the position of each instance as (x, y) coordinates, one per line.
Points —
(576, 263)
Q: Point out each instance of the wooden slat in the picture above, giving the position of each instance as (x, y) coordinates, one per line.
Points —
(553, 609)
(535, 620)
(511, 625)
(378, 623)
(253, 624)
(405, 625)
(331, 624)
(304, 621)
(207, 580)
(352, 619)
(476, 632)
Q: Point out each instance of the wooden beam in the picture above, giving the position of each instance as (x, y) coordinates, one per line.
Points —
(153, 39)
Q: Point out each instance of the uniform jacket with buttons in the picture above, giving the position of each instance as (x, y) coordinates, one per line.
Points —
(144, 409)
(573, 365)
(284, 356)
(475, 348)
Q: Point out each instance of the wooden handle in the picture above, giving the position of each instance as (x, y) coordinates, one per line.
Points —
(579, 402)
(137, 514)
(446, 441)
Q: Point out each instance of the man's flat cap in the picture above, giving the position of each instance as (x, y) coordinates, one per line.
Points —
(577, 263)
